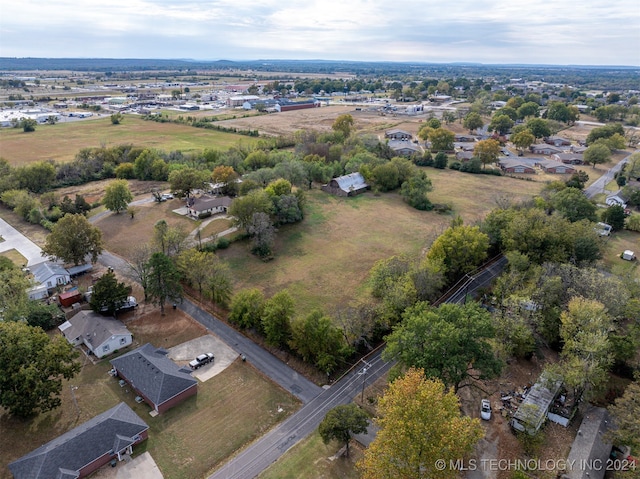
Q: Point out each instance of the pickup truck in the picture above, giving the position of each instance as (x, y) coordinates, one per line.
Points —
(201, 360)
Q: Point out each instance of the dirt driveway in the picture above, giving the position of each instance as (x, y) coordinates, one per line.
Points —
(185, 352)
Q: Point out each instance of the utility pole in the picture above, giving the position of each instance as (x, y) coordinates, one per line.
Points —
(75, 401)
(363, 373)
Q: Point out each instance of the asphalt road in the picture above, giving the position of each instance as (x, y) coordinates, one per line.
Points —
(262, 453)
(599, 185)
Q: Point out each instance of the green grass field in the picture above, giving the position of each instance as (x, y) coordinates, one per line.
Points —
(616, 244)
(62, 141)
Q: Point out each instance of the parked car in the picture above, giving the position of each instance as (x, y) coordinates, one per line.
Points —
(167, 196)
(485, 409)
(201, 360)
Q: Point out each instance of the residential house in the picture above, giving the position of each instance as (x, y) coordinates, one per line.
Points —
(509, 165)
(464, 138)
(555, 167)
(618, 198)
(557, 141)
(204, 204)
(578, 149)
(464, 155)
(102, 336)
(568, 158)
(403, 147)
(533, 410)
(83, 450)
(396, 134)
(590, 451)
(159, 381)
(50, 274)
(544, 149)
(346, 185)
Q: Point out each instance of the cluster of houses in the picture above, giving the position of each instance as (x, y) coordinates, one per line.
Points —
(111, 436)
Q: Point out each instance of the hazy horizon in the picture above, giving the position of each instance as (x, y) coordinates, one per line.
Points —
(498, 32)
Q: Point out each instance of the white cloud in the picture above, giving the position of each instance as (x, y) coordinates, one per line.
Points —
(523, 31)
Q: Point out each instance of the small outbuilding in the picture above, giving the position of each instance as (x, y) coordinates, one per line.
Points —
(628, 255)
(347, 185)
(533, 411)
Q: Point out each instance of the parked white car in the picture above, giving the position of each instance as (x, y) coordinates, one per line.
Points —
(485, 409)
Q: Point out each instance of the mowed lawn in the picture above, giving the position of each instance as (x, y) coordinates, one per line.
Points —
(618, 242)
(324, 261)
(189, 441)
(312, 459)
(61, 142)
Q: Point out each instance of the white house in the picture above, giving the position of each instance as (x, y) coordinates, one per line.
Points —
(617, 199)
(207, 204)
(50, 275)
(99, 334)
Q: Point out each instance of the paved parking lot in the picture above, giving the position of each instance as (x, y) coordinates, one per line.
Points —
(185, 352)
(13, 239)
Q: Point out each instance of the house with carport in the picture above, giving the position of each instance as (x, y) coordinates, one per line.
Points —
(50, 275)
(160, 382)
(83, 450)
(100, 335)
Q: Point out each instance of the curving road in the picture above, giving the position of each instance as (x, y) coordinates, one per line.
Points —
(599, 185)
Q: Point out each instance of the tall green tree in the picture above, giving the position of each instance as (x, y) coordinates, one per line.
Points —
(247, 307)
(72, 239)
(117, 196)
(109, 294)
(450, 343)
(501, 124)
(276, 318)
(185, 180)
(573, 205)
(420, 424)
(163, 282)
(219, 285)
(597, 154)
(318, 341)
(342, 422)
(343, 124)
(460, 249)
(522, 140)
(414, 191)
(538, 127)
(487, 151)
(473, 121)
(243, 208)
(441, 139)
(626, 416)
(32, 366)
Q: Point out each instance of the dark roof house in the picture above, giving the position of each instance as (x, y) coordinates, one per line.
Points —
(544, 149)
(557, 141)
(83, 450)
(555, 167)
(346, 185)
(509, 165)
(397, 134)
(403, 147)
(569, 158)
(590, 452)
(156, 378)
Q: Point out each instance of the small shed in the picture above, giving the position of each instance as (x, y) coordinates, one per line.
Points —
(532, 412)
(628, 255)
(68, 298)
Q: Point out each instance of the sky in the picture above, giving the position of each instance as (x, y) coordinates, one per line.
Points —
(560, 32)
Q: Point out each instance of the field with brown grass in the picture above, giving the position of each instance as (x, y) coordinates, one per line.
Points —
(61, 142)
(325, 260)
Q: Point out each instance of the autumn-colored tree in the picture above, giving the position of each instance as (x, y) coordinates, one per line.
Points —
(420, 424)
(487, 151)
(72, 239)
(522, 140)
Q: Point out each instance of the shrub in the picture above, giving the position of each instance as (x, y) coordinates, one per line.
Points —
(206, 214)
(633, 223)
(223, 243)
(456, 165)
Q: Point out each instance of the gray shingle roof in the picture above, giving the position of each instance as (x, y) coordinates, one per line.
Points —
(64, 456)
(43, 271)
(96, 326)
(589, 446)
(151, 372)
(206, 202)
